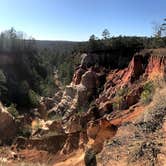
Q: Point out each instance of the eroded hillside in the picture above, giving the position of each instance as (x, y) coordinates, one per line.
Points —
(106, 116)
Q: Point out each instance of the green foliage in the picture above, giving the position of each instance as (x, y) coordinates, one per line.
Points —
(13, 41)
(24, 88)
(48, 88)
(160, 29)
(32, 70)
(120, 94)
(94, 43)
(125, 42)
(12, 110)
(115, 106)
(25, 131)
(3, 87)
(33, 98)
(147, 94)
(81, 110)
(106, 34)
(66, 72)
(122, 91)
(61, 61)
(55, 117)
(2, 77)
(118, 102)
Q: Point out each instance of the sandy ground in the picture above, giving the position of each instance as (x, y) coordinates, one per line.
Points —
(76, 159)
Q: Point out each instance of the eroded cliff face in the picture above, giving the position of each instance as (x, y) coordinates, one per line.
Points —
(106, 115)
(157, 64)
(115, 97)
(119, 102)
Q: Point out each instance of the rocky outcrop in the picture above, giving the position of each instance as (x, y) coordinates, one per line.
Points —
(118, 100)
(78, 74)
(89, 80)
(8, 129)
(88, 60)
(76, 96)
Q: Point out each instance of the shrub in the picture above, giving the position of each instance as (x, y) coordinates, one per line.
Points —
(54, 116)
(13, 111)
(25, 131)
(80, 111)
(147, 93)
(119, 98)
(3, 86)
(122, 91)
(117, 105)
(33, 98)
(146, 96)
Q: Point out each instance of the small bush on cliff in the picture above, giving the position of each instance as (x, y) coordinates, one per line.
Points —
(147, 94)
(33, 98)
(3, 86)
(13, 111)
(119, 98)
(118, 104)
(115, 106)
(122, 91)
(80, 111)
(25, 131)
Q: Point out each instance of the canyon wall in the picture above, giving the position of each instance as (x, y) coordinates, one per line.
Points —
(106, 114)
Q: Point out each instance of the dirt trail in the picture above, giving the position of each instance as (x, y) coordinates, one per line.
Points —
(76, 159)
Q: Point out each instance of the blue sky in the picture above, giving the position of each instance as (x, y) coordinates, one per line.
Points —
(77, 19)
